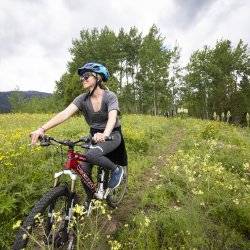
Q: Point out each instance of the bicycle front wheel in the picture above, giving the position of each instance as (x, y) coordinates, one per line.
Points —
(116, 195)
(46, 223)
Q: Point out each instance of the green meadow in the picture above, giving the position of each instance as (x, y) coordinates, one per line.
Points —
(188, 181)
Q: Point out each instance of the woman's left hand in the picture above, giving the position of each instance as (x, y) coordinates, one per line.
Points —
(99, 137)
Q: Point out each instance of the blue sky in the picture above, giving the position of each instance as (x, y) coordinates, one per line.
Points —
(35, 35)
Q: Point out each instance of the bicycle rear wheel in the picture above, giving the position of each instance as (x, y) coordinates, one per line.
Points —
(46, 223)
(116, 195)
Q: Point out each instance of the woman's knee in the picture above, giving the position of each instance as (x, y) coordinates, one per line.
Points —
(92, 155)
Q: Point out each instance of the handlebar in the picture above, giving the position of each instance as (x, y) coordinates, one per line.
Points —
(46, 141)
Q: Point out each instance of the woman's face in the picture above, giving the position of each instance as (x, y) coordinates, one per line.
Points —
(88, 80)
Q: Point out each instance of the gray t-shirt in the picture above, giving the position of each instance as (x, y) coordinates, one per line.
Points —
(98, 120)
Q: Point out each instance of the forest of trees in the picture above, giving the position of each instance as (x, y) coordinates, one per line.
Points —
(148, 79)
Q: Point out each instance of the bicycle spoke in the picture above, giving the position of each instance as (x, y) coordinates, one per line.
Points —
(48, 224)
(116, 195)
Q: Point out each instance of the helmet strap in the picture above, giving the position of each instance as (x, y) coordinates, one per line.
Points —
(98, 81)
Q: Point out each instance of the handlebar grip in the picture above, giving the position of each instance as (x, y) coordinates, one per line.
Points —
(109, 138)
(85, 139)
(40, 138)
(43, 137)
(44, 141)
(88, 139)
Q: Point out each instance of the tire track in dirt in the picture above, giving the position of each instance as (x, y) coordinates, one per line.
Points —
(147, 179)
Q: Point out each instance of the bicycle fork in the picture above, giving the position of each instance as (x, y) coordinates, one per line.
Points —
(99, 192)
(73, 178)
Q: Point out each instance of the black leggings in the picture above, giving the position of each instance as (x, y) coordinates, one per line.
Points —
(96, 156)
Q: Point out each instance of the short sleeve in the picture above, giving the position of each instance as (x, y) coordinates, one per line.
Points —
(113, 102)
(79, 102)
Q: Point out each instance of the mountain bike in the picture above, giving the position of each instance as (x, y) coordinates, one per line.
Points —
(41, 226)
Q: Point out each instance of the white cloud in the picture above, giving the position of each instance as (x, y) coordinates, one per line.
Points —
(223, 20)
(35, 35)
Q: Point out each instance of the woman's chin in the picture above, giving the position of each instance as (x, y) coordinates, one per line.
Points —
(85, 86)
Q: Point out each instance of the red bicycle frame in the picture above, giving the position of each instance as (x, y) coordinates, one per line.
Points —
(73, 163)
(73, 159)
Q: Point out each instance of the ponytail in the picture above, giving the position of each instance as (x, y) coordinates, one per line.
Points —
(103, 86)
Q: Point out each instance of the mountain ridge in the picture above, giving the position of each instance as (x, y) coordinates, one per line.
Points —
(5, 106)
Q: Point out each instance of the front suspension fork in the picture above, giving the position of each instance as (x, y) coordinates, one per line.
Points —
(70, 204)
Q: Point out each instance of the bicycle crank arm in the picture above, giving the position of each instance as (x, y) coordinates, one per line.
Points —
(106, 193)
(100, 195)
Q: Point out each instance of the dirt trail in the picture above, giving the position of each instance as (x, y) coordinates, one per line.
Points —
(147, 179)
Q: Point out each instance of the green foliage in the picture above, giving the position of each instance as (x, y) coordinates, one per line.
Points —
(218, 80)
(27, 172)
(41, 105)
(16, 100)
(154, 61)
(196, 201)
(20, 104)
(138, 67)
(148, 79)
(210, 131)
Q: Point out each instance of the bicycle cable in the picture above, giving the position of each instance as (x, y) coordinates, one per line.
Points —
(62, 161)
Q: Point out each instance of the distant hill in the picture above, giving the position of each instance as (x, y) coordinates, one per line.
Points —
(4, 98)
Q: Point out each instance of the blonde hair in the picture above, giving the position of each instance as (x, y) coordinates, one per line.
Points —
(101, 84)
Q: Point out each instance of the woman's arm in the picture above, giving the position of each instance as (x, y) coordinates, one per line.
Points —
(56, 120)
(111, 122)
(100, 137)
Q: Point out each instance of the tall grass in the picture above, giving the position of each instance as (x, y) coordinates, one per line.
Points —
(27, 172)
(198, 199)
(201, 200)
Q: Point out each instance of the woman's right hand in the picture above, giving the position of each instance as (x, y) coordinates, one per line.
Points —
(35, 135)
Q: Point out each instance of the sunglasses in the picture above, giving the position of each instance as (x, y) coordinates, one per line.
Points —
(87, 75)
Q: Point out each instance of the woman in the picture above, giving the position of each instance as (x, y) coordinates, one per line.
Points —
(100, 109)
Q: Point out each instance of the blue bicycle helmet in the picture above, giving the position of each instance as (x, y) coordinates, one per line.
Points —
(95, 67)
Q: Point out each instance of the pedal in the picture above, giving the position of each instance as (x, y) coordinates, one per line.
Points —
(99, 195)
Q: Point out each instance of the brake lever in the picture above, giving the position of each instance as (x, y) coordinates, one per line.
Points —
(85, 145)
(45, 143)
(85, 139)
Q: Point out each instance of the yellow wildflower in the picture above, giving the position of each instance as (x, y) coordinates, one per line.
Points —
(236, 201)
(147, 221)
(115, 245)
(17, 224)
(79, 209)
